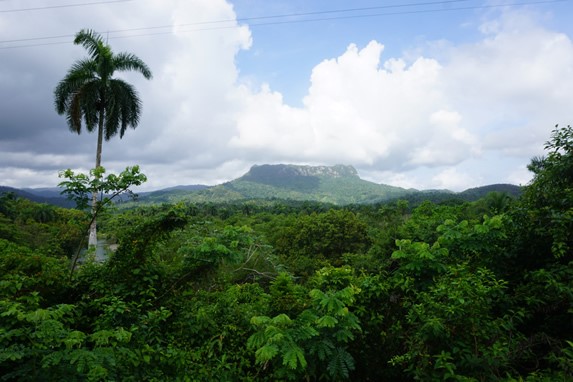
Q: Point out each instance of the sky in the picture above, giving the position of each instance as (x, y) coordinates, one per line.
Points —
(414, 93)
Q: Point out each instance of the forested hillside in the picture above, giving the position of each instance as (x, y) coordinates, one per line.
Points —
(339, 185)
(267, 291)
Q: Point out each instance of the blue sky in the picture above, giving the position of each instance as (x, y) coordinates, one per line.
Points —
(415, 93)
(282, 53)
(304, 43)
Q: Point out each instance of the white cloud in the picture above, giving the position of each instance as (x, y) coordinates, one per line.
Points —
(403, 180)
(358, 112)
(517, 77)
(19, 177)
(450, 144)
(521, 176)
(452, 179)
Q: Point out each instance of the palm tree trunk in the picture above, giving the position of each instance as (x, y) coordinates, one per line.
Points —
(92, 241)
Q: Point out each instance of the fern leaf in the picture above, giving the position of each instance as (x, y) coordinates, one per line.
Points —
(266, 353)
(293, 357)
(274, 334)
(340, 364)
(316, 294)
(256, 340)
(259, 320)
(281, 319)
(75, 338)
(304, 333)
(332, 304)
(101, 337)
(323, 349)
(326, 322)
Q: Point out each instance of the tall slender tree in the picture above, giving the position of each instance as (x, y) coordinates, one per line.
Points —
(89, 92)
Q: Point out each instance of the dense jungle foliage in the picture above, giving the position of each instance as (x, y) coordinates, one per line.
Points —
(263, 291)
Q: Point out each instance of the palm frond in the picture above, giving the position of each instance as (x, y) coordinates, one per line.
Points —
(91, 41)
(77, 97)
(83, 68)
(129, 62)
(74, 115)
(91, 104)
(123, 108)
(89, 93)
(77, 77)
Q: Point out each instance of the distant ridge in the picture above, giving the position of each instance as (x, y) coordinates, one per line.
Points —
(40, 195)
(480, 192)
(338, 184)
(193, 187)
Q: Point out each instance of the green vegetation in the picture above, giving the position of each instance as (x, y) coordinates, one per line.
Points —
(285, 290)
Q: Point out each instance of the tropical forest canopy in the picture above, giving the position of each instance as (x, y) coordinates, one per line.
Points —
(294, 290)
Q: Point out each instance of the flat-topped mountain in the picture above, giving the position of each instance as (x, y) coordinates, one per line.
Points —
(269, 171)
(295, 178)
(339, 184)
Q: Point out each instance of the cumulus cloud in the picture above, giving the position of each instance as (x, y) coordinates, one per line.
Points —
(392, 116)
(516, 77)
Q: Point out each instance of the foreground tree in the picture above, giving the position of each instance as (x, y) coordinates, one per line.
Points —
(89, 92)
(78, 186)
(549, 197)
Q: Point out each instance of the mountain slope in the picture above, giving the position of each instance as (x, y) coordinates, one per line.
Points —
(328, 184)
(480, 192)
(40, 195)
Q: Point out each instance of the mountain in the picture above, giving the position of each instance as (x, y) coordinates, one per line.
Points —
(40, 195)
(480, 192)
(339, 184)
(469, 195)
(192, 187)
(45, 192)
(170, 194)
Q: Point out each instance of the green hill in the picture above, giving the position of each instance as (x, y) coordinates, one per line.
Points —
(479, 192)
(338, 184)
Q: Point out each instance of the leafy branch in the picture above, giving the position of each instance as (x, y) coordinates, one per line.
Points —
(79, 187)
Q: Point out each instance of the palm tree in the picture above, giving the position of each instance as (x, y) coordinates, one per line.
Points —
(89, 92)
